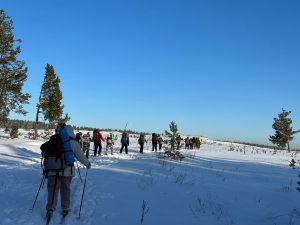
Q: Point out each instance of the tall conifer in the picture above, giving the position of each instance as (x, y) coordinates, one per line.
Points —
(13, 72)
(284, 133)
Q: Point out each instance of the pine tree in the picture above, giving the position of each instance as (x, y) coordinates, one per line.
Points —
(12, 71)
(283, 131)
(14, 132)
(50, 98)
(173, 135)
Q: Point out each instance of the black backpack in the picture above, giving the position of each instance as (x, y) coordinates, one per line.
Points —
(154, 137)
(52, 152)
(124, 139)
(141, 139)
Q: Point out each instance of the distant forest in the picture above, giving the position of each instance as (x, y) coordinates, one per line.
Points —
(30, 125)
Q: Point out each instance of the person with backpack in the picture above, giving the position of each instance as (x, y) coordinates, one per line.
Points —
(141, 142)
(86, 142)
(187, 143)
(78, 138)
(97, 137)
(160, 142)
(109, 144)
(124, 142)
(154, 142)
(58, 166)
(178, 141)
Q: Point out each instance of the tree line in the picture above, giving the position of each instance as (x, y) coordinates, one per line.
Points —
(31, 125)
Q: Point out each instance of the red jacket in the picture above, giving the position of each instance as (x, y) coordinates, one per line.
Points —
(97, 136)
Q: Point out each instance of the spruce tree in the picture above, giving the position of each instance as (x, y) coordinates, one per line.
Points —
(284, 133)
(173, 135)
(50, 98)
(13, 72)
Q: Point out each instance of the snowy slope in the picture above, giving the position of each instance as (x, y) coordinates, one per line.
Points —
(215, 186)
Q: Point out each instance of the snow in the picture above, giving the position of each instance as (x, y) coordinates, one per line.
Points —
(220, 184)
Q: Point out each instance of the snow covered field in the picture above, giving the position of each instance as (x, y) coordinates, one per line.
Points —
(211, 186)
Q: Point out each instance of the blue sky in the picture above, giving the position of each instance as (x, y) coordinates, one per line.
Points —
(223, 69)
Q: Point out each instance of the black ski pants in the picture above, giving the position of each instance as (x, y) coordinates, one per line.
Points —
(154, 146)
(126, 149)
(97, 145)
(141, 148)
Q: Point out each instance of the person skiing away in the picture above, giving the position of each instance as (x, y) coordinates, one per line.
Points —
(124, 142)
(97, 137)
(178, 141)
(109, 144)
(86, 143)
(78, 138)
(154, 142)
(114, 138)
(141, 142)
(187, 143)
(160, 142)
(200, 140)
(60, 180)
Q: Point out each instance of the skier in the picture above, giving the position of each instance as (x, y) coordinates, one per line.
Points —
(97, 137)
(160, 142)
(109, 144)
(199, 141)
(141, 142)
(178, 141)
(86, 142)
(78, 138)
(154, 142)
(187, 143)
(60, 180)
(124, 142)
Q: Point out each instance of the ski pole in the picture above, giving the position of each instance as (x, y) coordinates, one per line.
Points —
(42, 182)
(125, 126)
(82, 193)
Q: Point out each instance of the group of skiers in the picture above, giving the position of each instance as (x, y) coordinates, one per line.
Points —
(97, 138)
(60, 172)
(193, 143)
(156, 140)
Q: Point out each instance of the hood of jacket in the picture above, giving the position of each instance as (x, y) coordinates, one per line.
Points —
(69, 129)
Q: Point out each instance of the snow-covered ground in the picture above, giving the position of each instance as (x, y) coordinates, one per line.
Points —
(220, 184)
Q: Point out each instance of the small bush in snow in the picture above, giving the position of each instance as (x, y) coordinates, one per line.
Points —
(173, 154)
(292, 163)
(6, 130)
(231, 148)
(31, 134)
(14, 131)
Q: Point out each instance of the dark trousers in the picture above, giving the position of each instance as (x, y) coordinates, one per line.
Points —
(86, 150)
(59, 184)
(141, 148)
(126, 149)
(97, 144)
(154, 146)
